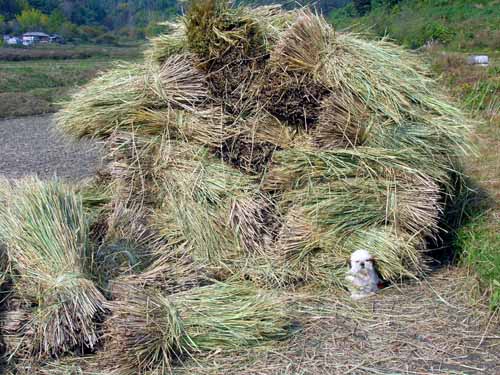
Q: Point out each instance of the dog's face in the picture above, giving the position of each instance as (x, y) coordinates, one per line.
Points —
(361, 259)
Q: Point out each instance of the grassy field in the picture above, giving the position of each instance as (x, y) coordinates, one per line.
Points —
(35, 86)
(478, 89)
(66, 52)
(460, 24)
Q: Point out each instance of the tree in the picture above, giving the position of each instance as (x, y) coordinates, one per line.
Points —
(68, 30)
(384, 3)
(9, 8)
(45, 6)
(84, 12)
(32, 19)
(55, 21)
(362, 6)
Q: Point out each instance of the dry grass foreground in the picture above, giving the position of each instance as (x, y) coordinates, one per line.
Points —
(429, 327)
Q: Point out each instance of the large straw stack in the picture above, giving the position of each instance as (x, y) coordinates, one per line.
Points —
(254, 144)
(288, 144)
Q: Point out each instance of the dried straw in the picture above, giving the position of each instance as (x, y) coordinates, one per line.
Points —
(46, 233)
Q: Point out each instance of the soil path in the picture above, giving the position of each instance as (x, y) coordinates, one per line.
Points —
(32, 146)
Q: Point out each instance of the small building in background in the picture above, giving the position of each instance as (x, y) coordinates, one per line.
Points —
(35, 37)
(13, 41)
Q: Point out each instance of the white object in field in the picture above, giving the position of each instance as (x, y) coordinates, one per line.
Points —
(482, 60)
(362, 280)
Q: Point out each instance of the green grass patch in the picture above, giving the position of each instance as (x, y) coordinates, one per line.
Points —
(479, 242)
(460, 24)
(478, 89)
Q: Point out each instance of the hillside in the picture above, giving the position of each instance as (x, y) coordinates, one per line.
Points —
(459, 24)
(87, 19)
(107, 20)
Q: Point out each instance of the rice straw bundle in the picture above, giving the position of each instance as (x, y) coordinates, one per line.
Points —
(46, 234)
(302, 47)
(165, 45)
(148, 332)
(127, 242)
(298, 167)
(293, 97)
(306, 252)
(213, 27)
(169, 273)
(265, 128)
(279, 140)
(131, 167)
(17, 333)
(111, 100)
(204, 127)
(232, 45)
(352, 204)
(184, 220)
(215, 209)
(253, 221)
(393, 84)
(343, 122)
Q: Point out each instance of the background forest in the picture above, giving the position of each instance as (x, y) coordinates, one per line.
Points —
(103, 21)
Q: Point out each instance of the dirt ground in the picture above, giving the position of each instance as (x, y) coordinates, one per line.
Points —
(32, 146)
(425, 327)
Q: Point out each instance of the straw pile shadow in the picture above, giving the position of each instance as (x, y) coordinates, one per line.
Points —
(251, 153)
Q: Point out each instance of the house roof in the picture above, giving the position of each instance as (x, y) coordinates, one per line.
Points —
(37, 34)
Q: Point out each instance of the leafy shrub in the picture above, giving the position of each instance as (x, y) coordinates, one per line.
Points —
(362, 6)
(108, 38)
(437, 31)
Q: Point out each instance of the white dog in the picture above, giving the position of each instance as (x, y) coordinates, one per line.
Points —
(362, 278)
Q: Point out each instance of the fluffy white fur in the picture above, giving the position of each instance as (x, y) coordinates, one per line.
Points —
(361, 278)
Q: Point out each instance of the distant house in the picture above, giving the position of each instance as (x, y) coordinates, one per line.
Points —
(13, 41)
(35, 37)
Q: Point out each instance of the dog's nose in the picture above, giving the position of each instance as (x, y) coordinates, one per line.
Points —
(362, 264)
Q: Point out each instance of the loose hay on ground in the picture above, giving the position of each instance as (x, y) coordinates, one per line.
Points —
(149, 332)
